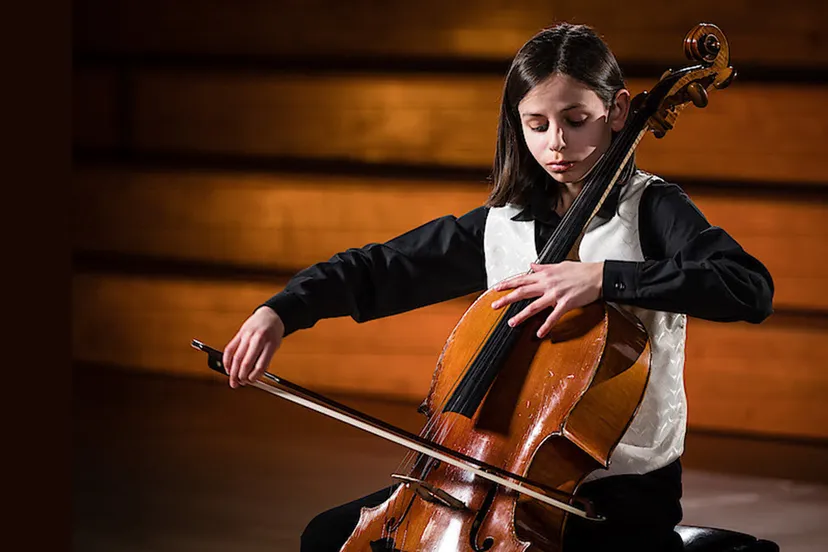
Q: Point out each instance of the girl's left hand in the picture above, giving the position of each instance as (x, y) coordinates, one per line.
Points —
(564, 286)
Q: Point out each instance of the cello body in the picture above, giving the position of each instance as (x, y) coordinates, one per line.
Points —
(554, 413)
(549, 411)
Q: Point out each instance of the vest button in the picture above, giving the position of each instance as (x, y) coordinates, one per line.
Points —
(620, 286)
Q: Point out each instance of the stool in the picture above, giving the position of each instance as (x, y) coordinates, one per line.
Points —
(709, 539)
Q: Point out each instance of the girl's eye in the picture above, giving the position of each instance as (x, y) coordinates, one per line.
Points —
(570, 122)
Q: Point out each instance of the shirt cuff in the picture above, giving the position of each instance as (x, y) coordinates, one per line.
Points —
(290, 309)
(620, 281)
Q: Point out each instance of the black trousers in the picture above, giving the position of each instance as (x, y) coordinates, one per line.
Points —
(641, 510)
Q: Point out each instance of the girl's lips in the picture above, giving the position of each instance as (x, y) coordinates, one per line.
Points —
(560, 166)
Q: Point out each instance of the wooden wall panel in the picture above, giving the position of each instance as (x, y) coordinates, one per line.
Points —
(288, 222)
(766, 379)
(748, 132)
(95, 108)
(257, 81)
(148, 324)
(443, 120)
(639, 30)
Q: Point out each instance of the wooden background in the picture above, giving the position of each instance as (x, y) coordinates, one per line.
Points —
(222, 146)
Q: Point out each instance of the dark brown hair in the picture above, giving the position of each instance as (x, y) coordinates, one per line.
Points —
(566, 49)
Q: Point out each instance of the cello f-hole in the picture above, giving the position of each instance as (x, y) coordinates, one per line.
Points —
(488, 542)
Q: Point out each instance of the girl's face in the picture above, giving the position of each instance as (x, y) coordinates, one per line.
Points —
(567, 127)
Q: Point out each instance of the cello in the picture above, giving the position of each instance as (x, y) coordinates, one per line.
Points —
(515, 423)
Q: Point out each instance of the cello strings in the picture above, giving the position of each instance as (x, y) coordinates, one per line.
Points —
(495, 347)
(607, 172)
(435, 429)
(500, 334)
(436, 425)
(567, 230)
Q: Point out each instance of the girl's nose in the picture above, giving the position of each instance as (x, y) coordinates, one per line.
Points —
(556, 139)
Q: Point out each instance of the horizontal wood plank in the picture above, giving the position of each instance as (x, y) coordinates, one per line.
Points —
(331, 356)
(766, 379)
(748, 132)
(287, 222)
(637, 30)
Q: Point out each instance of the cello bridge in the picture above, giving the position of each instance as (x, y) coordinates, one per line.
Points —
(430, 493)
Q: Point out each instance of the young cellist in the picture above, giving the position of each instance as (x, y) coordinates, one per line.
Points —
(649, 250)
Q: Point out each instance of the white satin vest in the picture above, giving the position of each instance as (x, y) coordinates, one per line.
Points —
(656, 435)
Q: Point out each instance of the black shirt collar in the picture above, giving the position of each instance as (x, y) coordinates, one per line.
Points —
(538, 207)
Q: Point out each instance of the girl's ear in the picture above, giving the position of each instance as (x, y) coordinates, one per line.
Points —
(619, 110)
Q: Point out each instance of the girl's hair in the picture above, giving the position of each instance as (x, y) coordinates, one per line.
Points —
(566, 49)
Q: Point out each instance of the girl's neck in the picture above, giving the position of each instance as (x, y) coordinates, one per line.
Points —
(566, 195)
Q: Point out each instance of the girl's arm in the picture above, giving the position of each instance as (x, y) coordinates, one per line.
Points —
(437, 261)
(691, 267)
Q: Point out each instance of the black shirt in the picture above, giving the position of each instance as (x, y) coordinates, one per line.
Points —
(690, 267)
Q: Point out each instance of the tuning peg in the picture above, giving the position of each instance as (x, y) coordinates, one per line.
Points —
(729, 79)
(697, 94)
(659, 125)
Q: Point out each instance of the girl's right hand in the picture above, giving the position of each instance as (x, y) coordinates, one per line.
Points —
(249, 353)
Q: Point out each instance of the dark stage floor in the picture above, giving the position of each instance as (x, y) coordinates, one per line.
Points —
(166, 464)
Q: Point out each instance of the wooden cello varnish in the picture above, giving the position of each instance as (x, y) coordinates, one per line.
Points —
(554, 428)
(553, 409)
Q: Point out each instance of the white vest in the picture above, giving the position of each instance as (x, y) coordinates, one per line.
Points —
(656, 435)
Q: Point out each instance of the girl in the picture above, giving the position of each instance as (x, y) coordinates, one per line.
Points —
(649, 249)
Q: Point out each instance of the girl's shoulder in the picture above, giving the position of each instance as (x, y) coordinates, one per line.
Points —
(660, 199)
(509, 210)
(649, 185)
